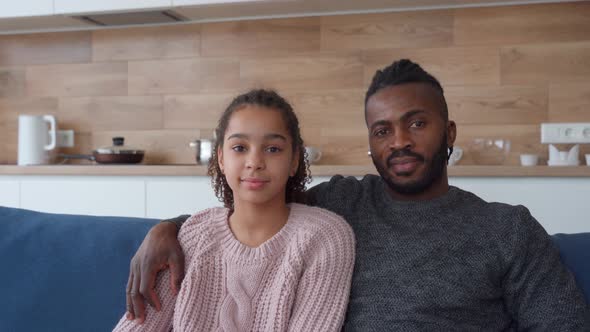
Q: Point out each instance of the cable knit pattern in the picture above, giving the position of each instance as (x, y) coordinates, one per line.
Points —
(298, 280)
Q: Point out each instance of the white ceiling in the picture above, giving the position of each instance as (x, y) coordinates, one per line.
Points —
(263, 9)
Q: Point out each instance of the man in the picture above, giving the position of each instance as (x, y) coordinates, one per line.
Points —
(429, 256)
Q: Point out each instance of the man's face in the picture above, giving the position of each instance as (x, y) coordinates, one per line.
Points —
(408, 137)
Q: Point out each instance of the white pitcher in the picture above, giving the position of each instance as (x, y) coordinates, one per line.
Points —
(35, 139)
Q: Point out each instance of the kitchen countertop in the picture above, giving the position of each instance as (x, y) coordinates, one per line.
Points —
(316, 170)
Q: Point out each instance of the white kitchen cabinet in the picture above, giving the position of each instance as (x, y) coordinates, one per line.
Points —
(105, 196)
(105, 6)
(168, 197)
(9, 193)
(205, 2)
(25, 8)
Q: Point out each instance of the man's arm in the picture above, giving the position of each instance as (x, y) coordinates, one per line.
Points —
(540, 292)
(159, 250)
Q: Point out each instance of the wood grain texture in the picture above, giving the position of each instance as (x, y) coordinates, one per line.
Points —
(195, 111)
(276, 37)
(523, 138)
(388, 30)
(89, 114)
(569, 102)
(12, 82)
(303, 72)
(328, 108)
(45, 48)
(183, 76)
(497, 104)
(161, 146)
(451, 66)
(545, 63)
(77, 80)
(544, 23)
(159, 42)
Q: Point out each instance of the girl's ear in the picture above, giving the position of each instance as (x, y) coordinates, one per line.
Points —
(220, 159)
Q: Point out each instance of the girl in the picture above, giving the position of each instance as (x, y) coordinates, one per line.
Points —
(263, 262)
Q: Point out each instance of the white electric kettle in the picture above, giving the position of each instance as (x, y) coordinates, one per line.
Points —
(36, 138)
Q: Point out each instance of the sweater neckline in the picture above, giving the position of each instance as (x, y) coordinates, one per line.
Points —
(391, 203)
(236, 249)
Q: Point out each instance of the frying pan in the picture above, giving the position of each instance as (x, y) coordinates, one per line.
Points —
(115, 154)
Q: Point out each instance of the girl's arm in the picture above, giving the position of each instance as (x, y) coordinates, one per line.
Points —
(324, 287)
(154, 320)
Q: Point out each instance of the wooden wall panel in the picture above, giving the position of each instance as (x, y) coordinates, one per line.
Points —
(146, 43)
(389, 30)
(182, 76)
(569, 102)
(161, 146)
(505, 70)
(77, 80)
(88, 114)
(523, 138)
(45, 48)
(324, 71)
(451, 66)
(12, 82)
(522, 24)
(277, 36)
(195, 111)
(497, 104)
(546, 63)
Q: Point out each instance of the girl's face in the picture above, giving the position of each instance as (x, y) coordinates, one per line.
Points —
(257, 157)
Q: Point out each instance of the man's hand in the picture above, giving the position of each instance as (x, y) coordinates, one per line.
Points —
(159, 250)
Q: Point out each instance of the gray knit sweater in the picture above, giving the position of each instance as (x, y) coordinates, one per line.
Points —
(454, 263)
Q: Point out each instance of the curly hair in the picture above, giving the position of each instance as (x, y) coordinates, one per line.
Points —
(296, 185)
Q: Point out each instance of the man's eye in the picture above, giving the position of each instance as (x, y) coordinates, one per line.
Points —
(238, 148)
(273, 149)
(380, 132)
(418, 124)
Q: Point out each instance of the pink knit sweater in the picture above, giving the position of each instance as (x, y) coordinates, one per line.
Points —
(299, 280)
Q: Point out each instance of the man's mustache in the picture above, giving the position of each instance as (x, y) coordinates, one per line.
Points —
(403, 153)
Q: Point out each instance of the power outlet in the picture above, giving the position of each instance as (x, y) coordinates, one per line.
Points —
(567, 133)
(65, 138)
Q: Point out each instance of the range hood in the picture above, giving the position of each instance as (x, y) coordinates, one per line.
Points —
(133, 18)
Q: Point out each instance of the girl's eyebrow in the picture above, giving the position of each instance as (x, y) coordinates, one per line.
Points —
(266, 137)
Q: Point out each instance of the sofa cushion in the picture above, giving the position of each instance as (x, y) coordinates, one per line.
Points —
(575, 253)
(65, 272)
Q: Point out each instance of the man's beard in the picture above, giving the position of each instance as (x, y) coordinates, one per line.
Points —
(433, 172)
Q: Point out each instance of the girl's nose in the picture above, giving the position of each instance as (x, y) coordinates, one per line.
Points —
(255, 160)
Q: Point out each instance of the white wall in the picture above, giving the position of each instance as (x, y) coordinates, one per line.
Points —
(561, 205)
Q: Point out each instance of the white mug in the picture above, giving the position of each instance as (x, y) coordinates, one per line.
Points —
(313, 154)
(35, 139)
(455, 156)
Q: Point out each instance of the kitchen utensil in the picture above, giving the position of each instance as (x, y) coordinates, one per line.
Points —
(203, 150)
(563, 158)
(455, 156)
(35, 139)
(115, 154)
(527, 159)
(489, 151)
(313, 154)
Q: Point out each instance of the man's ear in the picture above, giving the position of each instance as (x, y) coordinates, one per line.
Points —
(451, 133)
(220, 159)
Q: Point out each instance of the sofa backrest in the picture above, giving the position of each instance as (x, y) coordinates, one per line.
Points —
(65, 272)
(575, 254)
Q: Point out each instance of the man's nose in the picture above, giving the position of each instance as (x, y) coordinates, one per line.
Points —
(401, 139)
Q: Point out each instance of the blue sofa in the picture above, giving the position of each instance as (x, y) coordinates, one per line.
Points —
(69, 272)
